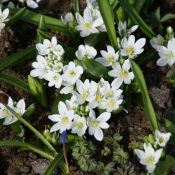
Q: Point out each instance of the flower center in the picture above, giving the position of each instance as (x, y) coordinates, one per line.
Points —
(111, 59)
(99, 98)
(169, 55)
(150, 160)
(161, 139)
(110, 93)
(64, 120)
(95, 123)
(72, 73)
(130, 51)
(111, 103)
(84, 94)
(87, 25)
(79, 125)
(123, 74)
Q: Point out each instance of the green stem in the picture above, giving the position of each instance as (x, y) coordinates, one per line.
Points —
(65, 158)
(76, 6)
(36, 132)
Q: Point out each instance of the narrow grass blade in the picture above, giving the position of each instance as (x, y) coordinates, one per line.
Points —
(16, 16)
(15, 82)
(133, 14)
(16, 58)
(144, 91)
(26, 145)
(34, 18)
(29, 126)
(108, 17)
(57, 162)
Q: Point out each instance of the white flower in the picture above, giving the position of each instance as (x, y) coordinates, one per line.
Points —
(63, 119)
(111, 104)
(86, 23)
(86, 91)
(79, 125)
(167, 54)
(54, 79)
(32, 4)
(18, 107)
(40, 67)
(71, 73)
(162, 138)
(109, 57)
(72, 103)
(131, 48)
(97, 124)
(121, 74)
(3, 17)
(156, 42)
(50, 47)
(149, 157)
(122, 28)
(68, 18)
(85, 52)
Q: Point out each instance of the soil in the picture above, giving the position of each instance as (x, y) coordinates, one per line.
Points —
(131, 125)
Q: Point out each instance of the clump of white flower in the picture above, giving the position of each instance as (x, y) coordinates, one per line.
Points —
(3, 17)
(8, 117)
(132, 48)
(74, 120)
(85, 52)
(123, 31)
(68, 18)
(30, 3)
(97, 124)
(165, 48)
(121, 74)
(162, 138)
(109, 57)
(149, 157)
(91, 22)
(49, 66)
(167, 54)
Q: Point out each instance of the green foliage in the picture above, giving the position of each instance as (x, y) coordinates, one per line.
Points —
(133, 14)
(108, 17)
(38, 91)
(88, 156)
(146, 99)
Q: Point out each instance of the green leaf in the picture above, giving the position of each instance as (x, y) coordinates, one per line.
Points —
(144, 91)
(164, 166)
(93, 39)
(95, 68)
(29, 111)
(38, 90)
(57, 162)
(26, 145)
(16, 58)
(15, 82)
(133, 14)
(29, 126)
(108, 17)
(170, 126)
(16, 16)
(139, 5)
(167, 17)
(34, 18)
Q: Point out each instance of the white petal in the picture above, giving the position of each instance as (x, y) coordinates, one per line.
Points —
(54, 117)
(62, 108)
(98, 134)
